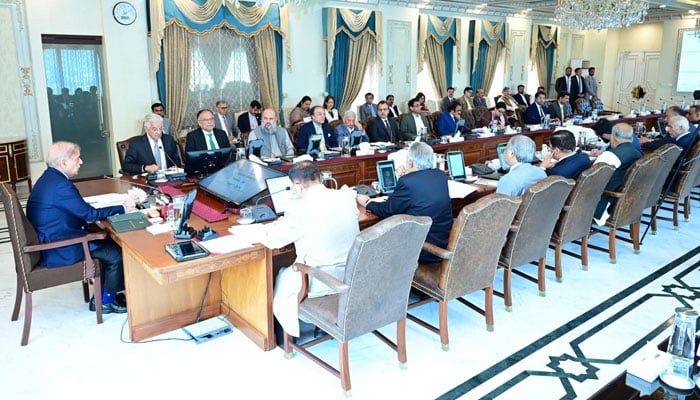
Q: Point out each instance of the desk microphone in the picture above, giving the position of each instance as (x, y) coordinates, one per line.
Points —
(168, 157)
(154, 192)
(261, 212)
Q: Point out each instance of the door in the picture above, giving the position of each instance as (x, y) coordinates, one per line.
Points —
(636, 68)
(75, 91)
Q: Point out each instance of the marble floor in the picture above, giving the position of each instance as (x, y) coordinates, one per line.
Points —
(563, 346)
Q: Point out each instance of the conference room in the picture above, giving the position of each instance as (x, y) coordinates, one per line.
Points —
(188, 55)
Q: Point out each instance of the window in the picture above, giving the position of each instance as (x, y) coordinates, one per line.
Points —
(688, 71)
(370, 83)
(72, 67)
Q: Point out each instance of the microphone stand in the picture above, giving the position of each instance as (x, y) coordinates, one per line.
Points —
(261, 212)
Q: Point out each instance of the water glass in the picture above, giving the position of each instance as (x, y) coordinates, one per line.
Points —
(178, 203)
(681, 347)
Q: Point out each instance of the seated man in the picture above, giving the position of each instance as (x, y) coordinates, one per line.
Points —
(564, 160)
(223, 121)
(603, 129)
(519, 153)
(153, 151)
(621, 155)
(412, 123)
(348, 126)
(251, 119)
(158, 108)
(498, 114)
(451, 122)
(561, 109)
(383, 128)
(535, 112)
(322, 224)
(276, 142)
(317, 126)
(421, 191)
(678, 129)
(57, 211)
(207, 136)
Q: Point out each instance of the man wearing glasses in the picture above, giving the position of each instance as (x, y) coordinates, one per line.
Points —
(153, 151)
(206, 137)
(224, 121)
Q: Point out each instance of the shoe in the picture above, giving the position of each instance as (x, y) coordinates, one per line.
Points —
(111, 308)
(120, 299)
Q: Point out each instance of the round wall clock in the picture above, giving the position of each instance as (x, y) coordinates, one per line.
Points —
(124, 13)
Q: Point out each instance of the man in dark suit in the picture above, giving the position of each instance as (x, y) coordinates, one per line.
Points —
(251, 119)
(564, 160)
(414, 121)
(206, 137)
(393, 108)
(561, 109)
(421, 191)
(383, 128)
(578, 87)
(158, 108)
(521, 97)
(153, 151)
(224, 121)
(451, 122)
(563, 83)
(57, 211)
(317, 125)
(447, 100)
(536, 111)
(369, 109)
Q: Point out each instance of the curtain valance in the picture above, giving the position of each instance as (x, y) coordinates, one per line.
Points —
(442, 30)
(353, 23)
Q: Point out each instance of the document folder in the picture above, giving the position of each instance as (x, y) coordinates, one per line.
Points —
(128, 222)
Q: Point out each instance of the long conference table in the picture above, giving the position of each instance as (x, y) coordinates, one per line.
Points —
(165, 295)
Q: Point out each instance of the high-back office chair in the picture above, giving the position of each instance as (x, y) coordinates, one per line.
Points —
(575, 219)
(122, 148)
(27, 252)
(373, 294)
(629, 201)
(531, 230)
(469, 262)
(681, 188)
(669, 153)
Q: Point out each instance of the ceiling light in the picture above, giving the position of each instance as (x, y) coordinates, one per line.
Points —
(600, 14)
(662, 6)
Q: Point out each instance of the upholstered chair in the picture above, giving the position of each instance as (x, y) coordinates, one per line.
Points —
(122, 148)
(669, 153)
(686, 178)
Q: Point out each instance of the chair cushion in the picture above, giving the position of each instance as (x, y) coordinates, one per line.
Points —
(426, 279)
(43, 277)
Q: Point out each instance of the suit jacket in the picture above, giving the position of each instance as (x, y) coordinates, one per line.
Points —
(560, 84)
(480, 101)
(519, 179)
(575, 88)
(57, 211)
(140, 154)
(571, 166)
(522, 99)
(168, 127)
(366, 110)
(244, 122)
(532, 115)
(408, 126)
(342, 130)
(230, 126)
(445, 103)
(378, 132)
(555, 112)
(197, 141)
(467, 104)
(421, 193)
(591, 86)
(446, 125)
(393, 112)
(307, 130)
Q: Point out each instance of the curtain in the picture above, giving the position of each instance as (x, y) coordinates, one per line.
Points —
(266, 51)
(177, 55)
(437, 37)
(544, 45)
(350, 36)
(491, 39)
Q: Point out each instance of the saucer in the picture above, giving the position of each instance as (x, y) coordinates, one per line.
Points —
(676, 382)
(245, 221)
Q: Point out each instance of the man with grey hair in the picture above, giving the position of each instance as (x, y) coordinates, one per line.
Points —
(679, 133)
(276, 142)
(622, 155)
(421, 191)
(349, 126)
(519, 153)
(153, 151)
(57, 211)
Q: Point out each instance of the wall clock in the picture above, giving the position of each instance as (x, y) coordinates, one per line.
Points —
(124, 13)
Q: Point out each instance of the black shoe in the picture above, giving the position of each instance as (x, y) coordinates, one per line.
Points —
(120, 299)
(111, 308)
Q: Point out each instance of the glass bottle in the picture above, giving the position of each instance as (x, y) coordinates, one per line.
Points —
(681, 347)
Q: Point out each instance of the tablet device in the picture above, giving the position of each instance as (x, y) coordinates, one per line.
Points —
(387, 176)
(455, 164)
(187, 250)
(281, 193)
(502, 156)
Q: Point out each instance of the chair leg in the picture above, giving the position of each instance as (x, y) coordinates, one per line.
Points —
(345, 366)
(27, 318)
(611, 245)
(18, 299)
(540, 275)
(654, 210)
(675, 214)
(86, 291)
(686, 208)
(584, 253)
(444, 336)
(288, 352)
(97, 286)
(401, 342)
(488, 308)
(506, 289)
(557, 262)
(634, 229)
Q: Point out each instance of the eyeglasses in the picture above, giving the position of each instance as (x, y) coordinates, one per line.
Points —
(206, 119)
(224, 108)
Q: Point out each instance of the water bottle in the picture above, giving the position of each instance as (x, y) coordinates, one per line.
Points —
(494, 125)
(594, 114)
(643, 109)
(681, 347)
(683, 104)
(664, 107)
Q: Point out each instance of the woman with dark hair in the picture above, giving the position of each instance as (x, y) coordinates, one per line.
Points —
(423, 108)
(331, 113)
(300, 112)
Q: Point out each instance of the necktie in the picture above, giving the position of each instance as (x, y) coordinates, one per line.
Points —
(568, 84)
(388, 129)
(253, 122)
(212, 143)
(540, 110)
(156, 153)
(580, 87)
(223, 125)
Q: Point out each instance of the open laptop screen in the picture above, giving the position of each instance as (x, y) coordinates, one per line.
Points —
(502, 156)
(387, 175)
(281, 193)
(455, 164)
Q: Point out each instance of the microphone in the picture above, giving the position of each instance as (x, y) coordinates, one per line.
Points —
(261, 212)
(155, 193)
(168, 157)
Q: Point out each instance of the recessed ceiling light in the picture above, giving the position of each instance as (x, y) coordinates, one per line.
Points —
(662, 6)
(527, 10)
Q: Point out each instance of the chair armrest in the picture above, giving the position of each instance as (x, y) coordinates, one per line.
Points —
(322, 276)
(438, 251)
(616, 195)
(64, 242)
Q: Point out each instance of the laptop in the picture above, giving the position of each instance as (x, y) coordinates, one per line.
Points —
(279, 194)
(386, 174)
(455, 165)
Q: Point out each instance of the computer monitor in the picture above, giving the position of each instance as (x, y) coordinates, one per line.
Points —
(455, 164)
(205, 162)
(255, 147)
(501, 148)
(387, 176)
(314, 147)
(239, 181)
(183, 230)
(281, 193)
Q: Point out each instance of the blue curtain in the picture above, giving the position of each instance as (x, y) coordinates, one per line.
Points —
(448, 35)
(486, 42)
(550, 47)
(477, 76)
(279, 45)
(223, 17)
(160, 78)
(448, 47)
(335, 81)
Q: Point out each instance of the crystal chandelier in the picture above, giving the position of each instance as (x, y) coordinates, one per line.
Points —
(600, 14)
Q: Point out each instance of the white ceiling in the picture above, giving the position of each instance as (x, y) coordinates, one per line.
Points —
(541, 9)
